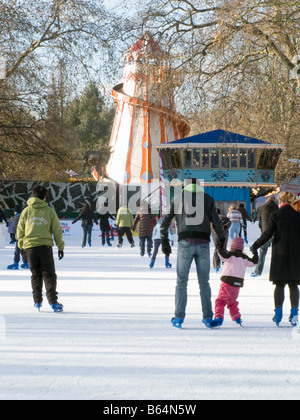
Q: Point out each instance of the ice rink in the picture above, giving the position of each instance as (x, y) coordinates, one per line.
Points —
(114, 340)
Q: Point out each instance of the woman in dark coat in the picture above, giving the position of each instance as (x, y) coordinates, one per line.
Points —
(105, 226)
(284, 224)
(147, 222)
(88, 218)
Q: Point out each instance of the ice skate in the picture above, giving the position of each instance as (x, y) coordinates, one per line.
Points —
(38, 305)
(293, 319)
(278, 316)
(151, 265)
(217, 322)
(167, 263)
(57, 307)
(239, 322)
(14, 266)
(25, 265)
(177, 322)
(207, 322)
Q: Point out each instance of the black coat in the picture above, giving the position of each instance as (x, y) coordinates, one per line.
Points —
(104, 222)
(284, 224)
(87, 217)
(265, 212)
(188, 226)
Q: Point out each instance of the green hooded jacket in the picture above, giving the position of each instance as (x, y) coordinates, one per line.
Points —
(38, 225)
(124, 217)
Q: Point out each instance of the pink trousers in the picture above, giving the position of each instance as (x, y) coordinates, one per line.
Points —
(227, 297)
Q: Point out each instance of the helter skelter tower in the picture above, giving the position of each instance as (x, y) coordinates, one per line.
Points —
(145, 115)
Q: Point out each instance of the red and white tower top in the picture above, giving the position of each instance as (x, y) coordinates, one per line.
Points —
(146, 114)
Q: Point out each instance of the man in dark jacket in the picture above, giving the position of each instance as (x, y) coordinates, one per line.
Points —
(194, 211)
(263, 217)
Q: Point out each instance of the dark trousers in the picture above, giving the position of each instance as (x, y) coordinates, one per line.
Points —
(105, 234)
(157, 244)
(41, 264)
(17, 255)
(122, 231)
(279, 295)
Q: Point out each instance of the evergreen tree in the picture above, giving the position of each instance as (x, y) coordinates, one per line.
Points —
(91, 118)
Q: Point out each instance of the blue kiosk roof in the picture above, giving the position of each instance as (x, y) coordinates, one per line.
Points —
(220, 137)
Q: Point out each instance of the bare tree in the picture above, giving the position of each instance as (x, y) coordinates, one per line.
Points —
(217, 36)
(35, 38)
(240, 62)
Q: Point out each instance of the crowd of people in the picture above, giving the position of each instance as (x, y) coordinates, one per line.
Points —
(33, 229)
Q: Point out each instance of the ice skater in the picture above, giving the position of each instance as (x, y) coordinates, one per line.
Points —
(37, 227)
(105, 226)
(194, 231)
(157, 243)
(88, 219)
(17, 253)
(124, 224)
(236, 220)
(284, 226)
(233, 273)
(146, 221)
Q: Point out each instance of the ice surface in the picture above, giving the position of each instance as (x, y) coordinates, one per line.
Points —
(114, 340)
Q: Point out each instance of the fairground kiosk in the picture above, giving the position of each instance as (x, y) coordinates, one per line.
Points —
(235, 168)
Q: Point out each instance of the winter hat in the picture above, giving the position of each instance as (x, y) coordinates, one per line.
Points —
(18, 208)
(237, 244)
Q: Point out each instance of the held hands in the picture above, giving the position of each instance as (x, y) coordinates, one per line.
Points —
(60, 255)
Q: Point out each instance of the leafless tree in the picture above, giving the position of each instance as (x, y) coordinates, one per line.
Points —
(240, 62)
(35, 37)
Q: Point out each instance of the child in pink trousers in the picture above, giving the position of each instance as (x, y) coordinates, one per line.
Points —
(233, 273)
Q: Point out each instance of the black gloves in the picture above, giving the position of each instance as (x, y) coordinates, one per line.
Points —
(60, 255)
(166, 247)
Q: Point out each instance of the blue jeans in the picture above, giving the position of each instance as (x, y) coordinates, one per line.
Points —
(185, 255)
(87, 232)
(234, 230)
(149, 245)
(262, 256)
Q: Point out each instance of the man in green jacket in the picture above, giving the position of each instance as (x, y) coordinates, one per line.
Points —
(37, 226)
(124, 224)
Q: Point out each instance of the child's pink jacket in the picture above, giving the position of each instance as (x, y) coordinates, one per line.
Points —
(235, 264)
